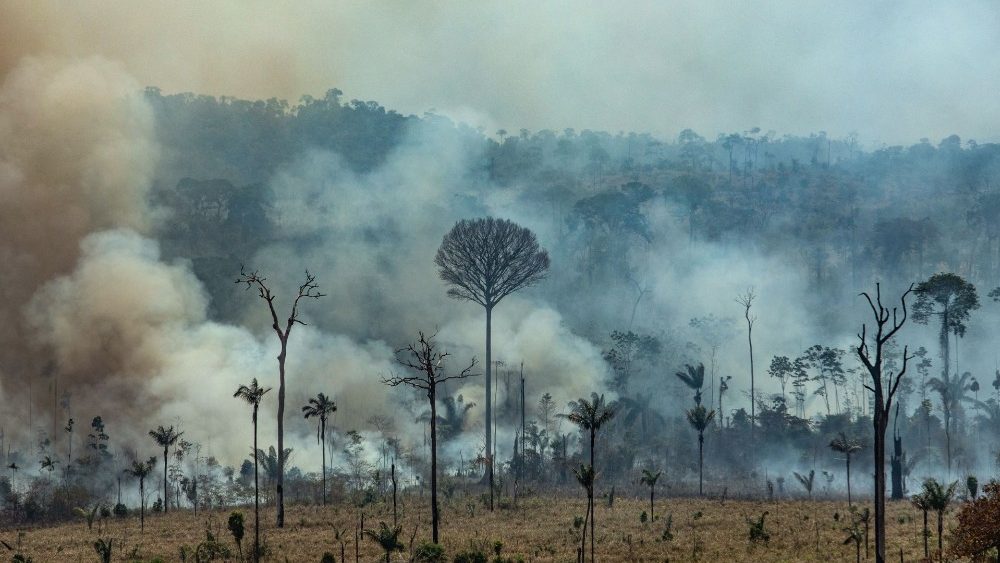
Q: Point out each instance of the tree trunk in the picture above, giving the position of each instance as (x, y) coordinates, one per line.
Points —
(940, 516)
(701, 462)
(927, 552)
(651, 504)
(280, 497)
(166, 493)
(256, 493)
(489, 400)
(880, 424)
(593, 468)
(434, 479)
(848, 480)
(395, 519)
(897, 468)
(946, 406)
(322, 433)
(142, 506)
(753, 407)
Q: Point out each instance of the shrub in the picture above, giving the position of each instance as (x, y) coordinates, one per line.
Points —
(978, 528)
(121, 511)
(429, 552)
(235, 525)
(328, 558)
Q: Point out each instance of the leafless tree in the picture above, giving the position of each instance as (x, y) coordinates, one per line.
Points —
(746, 301)
(428, 364)
(308, 290)
(883, 386)
(485, 260)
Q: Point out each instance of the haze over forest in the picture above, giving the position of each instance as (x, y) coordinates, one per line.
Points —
(668, 157)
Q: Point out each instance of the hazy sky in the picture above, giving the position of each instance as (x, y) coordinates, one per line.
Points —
(892, 71)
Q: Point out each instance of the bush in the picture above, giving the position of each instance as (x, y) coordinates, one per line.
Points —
(235, 525)
(472, 555)
(121, 511)
(429, 552)
(328, 558)
(978, 529)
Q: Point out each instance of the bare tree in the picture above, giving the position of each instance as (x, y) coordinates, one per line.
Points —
(485, 260)
(746, 301)
(884, 387)
(428, 363)
(308, 290)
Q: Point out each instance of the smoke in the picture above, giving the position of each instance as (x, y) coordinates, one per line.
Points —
(892, 72)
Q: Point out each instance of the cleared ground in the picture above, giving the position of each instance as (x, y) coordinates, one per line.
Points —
(539, 529)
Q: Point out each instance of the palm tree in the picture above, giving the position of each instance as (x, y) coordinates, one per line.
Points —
(591, 416)
(806, 482)
(938, 497)
(920, 501)
(694, 378)
(13, 469)
(269, 462)
(846, 446)
(320, 407)
(141, 470)
(650, 478)
(49, 463)
(387, 538)
(639, 409)
(952, 391)
(699, 418)
(585, 476)
(454, 415)
(165, 437)
(253, 394)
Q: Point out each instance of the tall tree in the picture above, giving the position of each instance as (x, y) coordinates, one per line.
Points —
(590, 416)
(846, 446)
(165, 437)
(308, 290)
(141, 470)
(253, 394)
(883, 386)
(320, 407)
(746, 301)
(485, 260)
(699, 418)
(951, 299)
(428, 363)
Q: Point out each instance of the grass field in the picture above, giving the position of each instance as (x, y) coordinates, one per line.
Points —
(539, 529)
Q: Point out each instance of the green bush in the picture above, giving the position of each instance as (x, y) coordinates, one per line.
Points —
(429, 552)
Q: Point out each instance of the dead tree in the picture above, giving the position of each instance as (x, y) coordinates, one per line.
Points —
(428, 363)
(485, 260)
(308, 290)
(884, 387)
(746, 301)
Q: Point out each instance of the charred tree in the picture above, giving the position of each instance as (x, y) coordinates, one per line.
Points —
(898, 459)
(883, 386)
(428, 365)
(308, 290)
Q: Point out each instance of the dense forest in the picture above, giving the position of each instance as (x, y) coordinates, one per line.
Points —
(663, 253)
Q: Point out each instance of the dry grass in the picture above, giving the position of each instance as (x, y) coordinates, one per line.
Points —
(540, 529)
